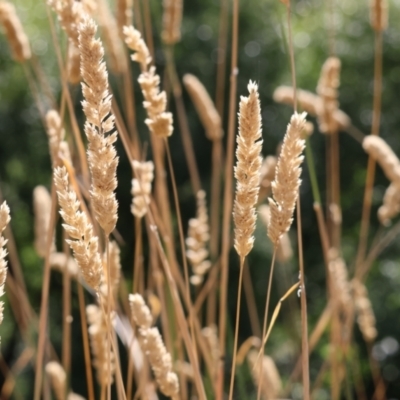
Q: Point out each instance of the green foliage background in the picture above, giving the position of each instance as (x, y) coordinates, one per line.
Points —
(262, 57)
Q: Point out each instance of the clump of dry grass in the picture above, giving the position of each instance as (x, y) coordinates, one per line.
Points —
(58, 378)
(197, 240)
(172, 17)
(381, 152)
(102, 156)
(287, 181)
(204, 106)
(42, 210)
(141, 187)
(4, 221)
(82, 240)
(16, 36)
(159, 121)
(247, 170)
(153, 345)
(103, 356)
(327, 89)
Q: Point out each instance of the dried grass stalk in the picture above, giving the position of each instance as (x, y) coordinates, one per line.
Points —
(102, 155)
(4, 221)
(366, 317)
(103, 356)
(197, 241)
(42, 213)
(141, 187)
(378, 14)
(266, 376)
(210, 333)
(16, 36)
(153, 345)
(391, 205)
(339, 279)
(155, 102)
(58, 378)
(309, 102)
(172, 17)
(247, 170)
(124, 13)
(205, 107)
(55, 134)
(61, 262)
(285, 187)
(327, 89)
(284, 250)
(381, 152)
(82, 241)
(115, 269)
(73, 64)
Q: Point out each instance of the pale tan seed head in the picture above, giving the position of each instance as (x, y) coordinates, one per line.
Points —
(247, 170)
(58, 378)
(139, 311)
(135, 42)
(4, 221)
(82, 240)
(287, 181)
(391, 205)
(381, 152)
(42, 213)
(16, 36)
(124, 13)
(205, 107)
(115, 271)
(55, 134)
(73, 65)
(141, 187)
(172, 17)
(62, 262)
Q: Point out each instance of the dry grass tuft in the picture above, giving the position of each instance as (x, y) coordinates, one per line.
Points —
(247, 170)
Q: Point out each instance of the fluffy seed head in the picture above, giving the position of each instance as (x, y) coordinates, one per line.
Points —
(391, 205)
(172, 17)
(58, 378)
(247, 170)
(141, 187)
(287, 181)
(140, 312)
(135, 42)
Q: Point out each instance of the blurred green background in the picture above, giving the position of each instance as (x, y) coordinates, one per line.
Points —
(263, 57)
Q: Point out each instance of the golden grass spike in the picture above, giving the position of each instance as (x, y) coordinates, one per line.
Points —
(139, 311)
(58, 378)
(366, 317)
(327, 89)
(16, 36)
(141, 187)
(42, 210)
(205, 107)
(98, 334)
(378, 14)
(287, 181)
(382, 153)
(391, 205)
(135, 42)
(247, 170)
(197, 241)
(267, 376)
(4, 221)
(172, 17)
(55, 133)
(102, 155)
(82, 241)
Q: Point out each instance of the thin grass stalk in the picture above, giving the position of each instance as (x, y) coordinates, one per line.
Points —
(66, 336)
(182, 120)
(182, 243)
(42, 79)
(379, 383)
(376, 117)
(251, 302)
(148, 31)
(35, 93)
(265, 320)
(137, 264)
(45, 298)
(86, 345)
(235, 340)
(226, 222)
(108, 314)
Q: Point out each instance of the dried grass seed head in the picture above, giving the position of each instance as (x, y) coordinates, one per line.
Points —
(4, 221)
(16, 36)
(102, 155)
(172, 18)
(62, 262)
(42, 213)
(141, 187)
(378, 13)
(382, 153)
(391, 205)
(135, 42)
(73, 65)
(82, 240)
(58, 378)
(139, 311)
(55, 133)
(124, 13)
(247, 170)
(204, 106)
(287, 181)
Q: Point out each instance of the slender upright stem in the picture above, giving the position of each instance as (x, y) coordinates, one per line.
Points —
(235, 341)
(108, 316)
(264, 330)
(226, 223)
